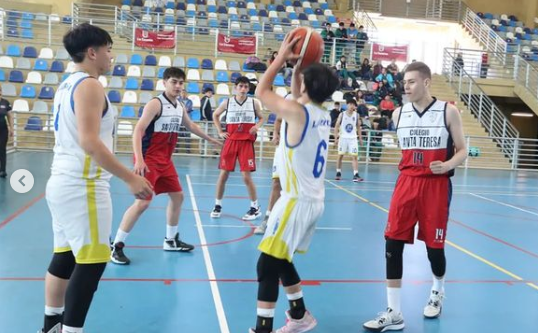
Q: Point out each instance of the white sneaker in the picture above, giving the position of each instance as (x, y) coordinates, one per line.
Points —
(260, 230)
(386, 321)
(435, 304)
(305, 324)
(252, 214)
(56, 329)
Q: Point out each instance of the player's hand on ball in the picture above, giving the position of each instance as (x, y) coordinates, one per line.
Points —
(439, 168)
(140, 187)
(286, 49)
(224, 135)
(140, 168)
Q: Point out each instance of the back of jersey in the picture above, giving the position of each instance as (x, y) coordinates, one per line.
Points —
(69, 158)
(303, 165)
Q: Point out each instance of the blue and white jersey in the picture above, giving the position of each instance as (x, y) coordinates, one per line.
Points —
(302, 167)
(348, 125)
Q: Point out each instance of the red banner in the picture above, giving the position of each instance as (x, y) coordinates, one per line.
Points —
(388, 53)
(155, 39)
(242, 45)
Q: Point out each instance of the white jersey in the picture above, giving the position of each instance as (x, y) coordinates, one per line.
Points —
(348, 125)
(302, 167)
(240, 113)
(69, 158)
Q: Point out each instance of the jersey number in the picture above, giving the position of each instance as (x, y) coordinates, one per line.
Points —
(319, 163)
(418, 158)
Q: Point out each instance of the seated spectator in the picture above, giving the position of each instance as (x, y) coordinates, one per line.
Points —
(362, 38)
(341, 67)
(362, 109)
(366, 70)
(387, 107)
(386, 78)
(393, 68)
(380, 93)
(378, 68)
(286, 70)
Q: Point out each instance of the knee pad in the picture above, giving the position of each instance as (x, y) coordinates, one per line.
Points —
(268, 273)
(62, 265)
(437, 261)
(394, 258)
(288, 274)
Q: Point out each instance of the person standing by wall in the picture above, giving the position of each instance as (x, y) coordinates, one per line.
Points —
(6, 131)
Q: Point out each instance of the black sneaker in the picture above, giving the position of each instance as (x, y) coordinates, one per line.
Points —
(357, 178)
(57, 328)
(252, 214)
(338, 176)
(3, 174)
(175, 244)
(117, 256)
(216, 211)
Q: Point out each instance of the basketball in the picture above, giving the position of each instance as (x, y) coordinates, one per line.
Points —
(310, 47)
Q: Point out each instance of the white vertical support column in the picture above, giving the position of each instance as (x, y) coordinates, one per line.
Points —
(217, 42)
(368, 146)
(50, 32)
(515, 154)
(206, 130)
(491, 119)
(15, 129)
(257, 46)
(175, 39)
(134, 37)
(516, 67)
(468, 144)
(116, 9)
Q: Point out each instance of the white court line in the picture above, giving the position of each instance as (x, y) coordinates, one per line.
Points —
(223, 323)
(247, 226)
(504, 204)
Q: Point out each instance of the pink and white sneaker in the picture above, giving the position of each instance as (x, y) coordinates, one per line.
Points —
(304, 324)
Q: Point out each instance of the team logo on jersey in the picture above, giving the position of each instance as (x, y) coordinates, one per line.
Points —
(349, 128)
(250, 162)
(433, 117)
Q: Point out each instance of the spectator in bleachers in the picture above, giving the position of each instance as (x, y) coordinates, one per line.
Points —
(458, 64)
(366, 70)
(386, 77)
(206, 111)
(362, 109)
(6, 131)
(341, 39)
(335, 113)
(387, 106)
(381, 92)
(341, 67)
(286, 70)
(378, 68)
(327, 36)
(362, 38)
(392, 68)
(352, 44)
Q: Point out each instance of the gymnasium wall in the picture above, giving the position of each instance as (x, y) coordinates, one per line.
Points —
(525, 10)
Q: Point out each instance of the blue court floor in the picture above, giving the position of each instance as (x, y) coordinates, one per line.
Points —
(492, 252)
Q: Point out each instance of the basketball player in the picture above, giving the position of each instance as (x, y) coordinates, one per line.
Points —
(154, 140)
(428, 131)
(301, 168)
(78, 190)
(346, 131)
(240, 135)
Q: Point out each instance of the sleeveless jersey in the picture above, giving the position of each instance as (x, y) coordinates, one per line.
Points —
(161, 136)
(424, 138)
(302, 167)
(348, 126)
(240, 118)
(69, 158)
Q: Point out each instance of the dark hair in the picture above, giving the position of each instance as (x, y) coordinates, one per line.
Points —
(420, 67)
(77, 40)
(320, 82)
(328, 24)
(242, 79)
(351, 101)
(336, 103)
(361, 27)
(341, 24)
(174, 72)
(208, 89)
(352, 24)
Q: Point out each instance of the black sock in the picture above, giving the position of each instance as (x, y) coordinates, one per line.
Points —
(51, 321)
(297, 308)
(264, 325)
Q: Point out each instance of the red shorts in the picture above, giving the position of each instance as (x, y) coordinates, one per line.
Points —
(422, 199)
(164, 179)
(241, 150)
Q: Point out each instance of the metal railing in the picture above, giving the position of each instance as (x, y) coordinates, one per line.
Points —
(379, 147)
(47, 30)
(474, 67)
(438, 10)
(526, 74)
(480, 105)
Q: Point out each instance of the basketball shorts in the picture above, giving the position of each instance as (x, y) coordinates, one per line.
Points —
(276, 161)
(234, 150)
(81, 217)
(425, 200)
(290, 227)
(163, 178)
(348, 146)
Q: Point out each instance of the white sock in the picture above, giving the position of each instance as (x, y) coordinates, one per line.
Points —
(218, 202)
(338, 170)
(265, 313)
(68, 329)
(296, 296)
(52, 311)
(355, 172)
(121, 236)
(254, 204)
(171, 231)
(438, 284)
(393, 299)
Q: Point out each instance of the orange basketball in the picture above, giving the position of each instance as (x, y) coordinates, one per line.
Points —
(310, 47)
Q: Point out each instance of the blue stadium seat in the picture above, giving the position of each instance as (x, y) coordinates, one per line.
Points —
(33, 123)
(303, 17)
(41, 65)
(27, 16)
(147, 84)
(324, 6)
(263, 13)
(256, 26)
(252, 12)
(2, 76)
(136, 59)
(128, 112)
(193, 63)
(119, 70)
(318, 11)
(65, 76)
(222, 10)
(231, 4)
(170, 5)
(308, 11)
(13, 51)
(280, 8)
(151, 60)
(241, 4)
(13, 32)
(14, 15)
(234, 77)
(279, 81)
(211, 9)
(16, 76)
(169, 20)
(28, 91)
(195, 115)
(131, 84)
(271, 119)
(158, 10)
(161, 72)
(27, 33)
(207, 64)
(46, 93)
(222, 76)
(181, 6)
(193, 88)
(200, 2)
(213, 23)
(57, 66)
(203, 31)
(268, 27)
(331, 19)
(67, 19)
(25, 25)
(297, 3)
(138, 3)
(114, 96)
(29, 52)
(140, 111)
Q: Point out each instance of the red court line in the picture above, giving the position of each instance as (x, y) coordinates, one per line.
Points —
(21, 210)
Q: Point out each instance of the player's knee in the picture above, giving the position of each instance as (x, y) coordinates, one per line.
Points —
(88, 276)
(437, 261)
(268, 268)
(247, 178)
(142, 205)
(394, 258)
(288, 274)
(177, 198)
(62, 265)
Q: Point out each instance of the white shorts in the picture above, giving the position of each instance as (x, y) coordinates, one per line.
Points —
(348, 146)
(290, 227)
(276, 160)
(81, 217)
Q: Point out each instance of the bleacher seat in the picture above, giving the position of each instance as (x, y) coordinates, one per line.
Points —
(145, 97)
(51, 78)
(16, 76)
(128, 112)
(160, 74)
(34, 78)
(207, 64)
(57, 66)
(40, 107)
(28, 91)
(133, 71)
(193, 75)
(207, 75)
(2, 76)
(71, 67)
(114, 96)
(223, 89)
(103, 80)
(46, 53)
(234, 77)
(160, 86)
(131, 84)
(41, 65)
(193, 63)
(46, 93)
(13, 32)
(147, 84)
(21, 105)
(23, 63)
(165, 61)
(234, 66)
(271, 119)
(62, 54)
(13, 50)
(129, 97)
(121, 59)
(29, 52)
(119, 70)
(115, 83)
(148, 72)
(9, 90)
(193, 88)
(222, 76)
(151, 60)
(179, 61)
(136, 59)
(208, 85)
(27, 33)
(220, 64)
(33, 123)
